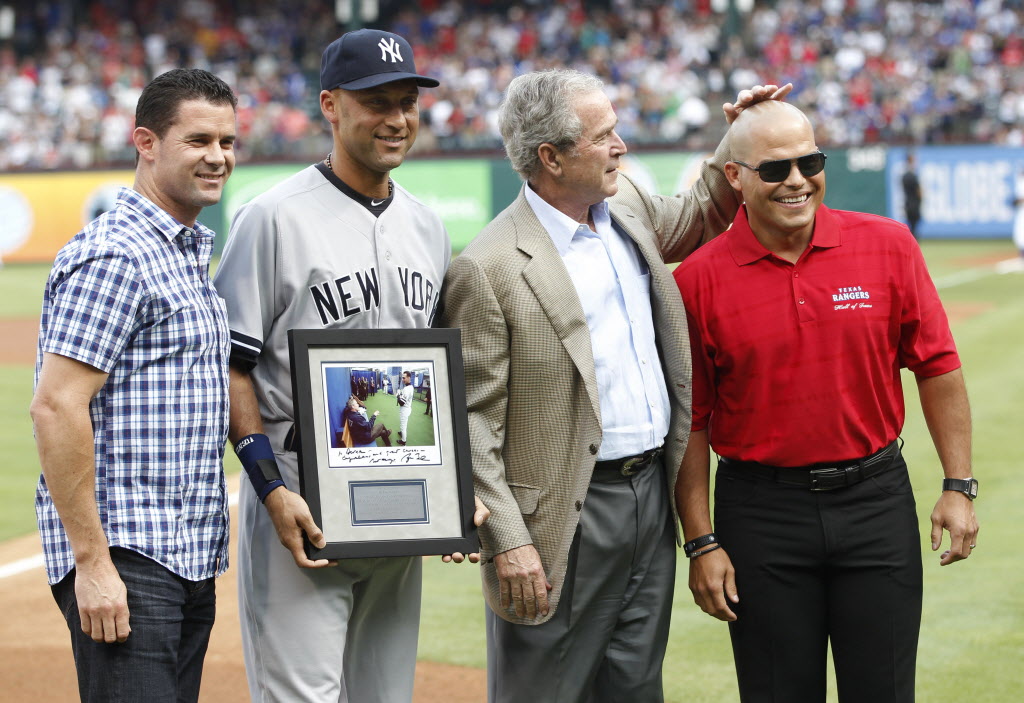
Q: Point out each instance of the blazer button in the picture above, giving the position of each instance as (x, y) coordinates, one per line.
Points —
(593, 449)
(579, 505)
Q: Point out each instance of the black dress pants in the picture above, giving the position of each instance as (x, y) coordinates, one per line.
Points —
(841, 565)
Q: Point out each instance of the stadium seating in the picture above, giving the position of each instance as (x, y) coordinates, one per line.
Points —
(867, 71)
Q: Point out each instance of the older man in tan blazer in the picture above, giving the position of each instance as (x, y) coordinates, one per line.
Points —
(577, 374)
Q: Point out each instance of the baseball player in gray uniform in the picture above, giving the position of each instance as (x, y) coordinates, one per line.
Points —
(337, 245)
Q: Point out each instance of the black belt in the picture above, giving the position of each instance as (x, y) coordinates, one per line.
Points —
(291, 440)
(625, 467)
(821, 477)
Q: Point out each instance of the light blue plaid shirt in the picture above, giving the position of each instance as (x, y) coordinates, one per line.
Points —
(131, 296)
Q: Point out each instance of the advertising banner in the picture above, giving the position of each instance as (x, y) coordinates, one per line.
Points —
(40, 212)
(855, 179)
(967, 191)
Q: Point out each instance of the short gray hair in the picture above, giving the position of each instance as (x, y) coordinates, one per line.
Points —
(538, 108)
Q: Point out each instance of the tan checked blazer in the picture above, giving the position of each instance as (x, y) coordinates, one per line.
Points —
(534, 418)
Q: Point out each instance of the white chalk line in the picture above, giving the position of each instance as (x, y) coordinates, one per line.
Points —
(21, 565)
(1014, 265)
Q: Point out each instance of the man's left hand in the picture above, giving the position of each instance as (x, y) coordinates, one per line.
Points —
(752, 96)
(291, 517)
(479, 518)
(954, 512)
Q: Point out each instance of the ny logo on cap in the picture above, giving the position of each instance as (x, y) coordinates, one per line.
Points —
(390, 46)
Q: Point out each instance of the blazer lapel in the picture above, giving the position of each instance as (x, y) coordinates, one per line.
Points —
(666, 303)
(625, 219)
(549, 280)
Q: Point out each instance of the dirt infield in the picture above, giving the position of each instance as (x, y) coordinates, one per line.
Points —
(35, 654)
(18, 340)
(959, 312)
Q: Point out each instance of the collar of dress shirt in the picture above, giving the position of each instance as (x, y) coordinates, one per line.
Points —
(560, 226)
(159, 218)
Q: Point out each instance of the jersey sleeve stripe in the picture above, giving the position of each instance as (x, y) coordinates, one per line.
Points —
(245, 350)
(249, 344)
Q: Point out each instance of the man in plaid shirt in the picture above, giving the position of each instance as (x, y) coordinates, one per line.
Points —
(131, 409)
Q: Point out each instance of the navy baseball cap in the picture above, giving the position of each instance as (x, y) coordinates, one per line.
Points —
(367, 58)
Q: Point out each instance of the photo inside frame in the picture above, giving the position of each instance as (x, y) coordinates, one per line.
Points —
(380, 414)
(380, 456)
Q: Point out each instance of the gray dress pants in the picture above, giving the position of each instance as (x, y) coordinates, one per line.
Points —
(607, 640)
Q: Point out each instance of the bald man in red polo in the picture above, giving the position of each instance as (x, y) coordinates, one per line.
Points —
(800, 319)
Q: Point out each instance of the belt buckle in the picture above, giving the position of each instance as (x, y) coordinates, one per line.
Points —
(820, 478)
(627, 466)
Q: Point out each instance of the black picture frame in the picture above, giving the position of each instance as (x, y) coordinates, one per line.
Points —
(372, 500)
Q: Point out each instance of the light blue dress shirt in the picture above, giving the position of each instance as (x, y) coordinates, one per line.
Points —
(614, 287)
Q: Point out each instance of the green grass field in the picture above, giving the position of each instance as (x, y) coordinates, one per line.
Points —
(972, 640)
(421, 425)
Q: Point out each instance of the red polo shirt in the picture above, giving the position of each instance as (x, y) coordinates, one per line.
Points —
(796, 364)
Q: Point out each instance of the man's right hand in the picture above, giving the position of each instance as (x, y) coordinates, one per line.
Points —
(102, 601)
(752, 96)
(291, 518)
(522, 581)
(713, 584)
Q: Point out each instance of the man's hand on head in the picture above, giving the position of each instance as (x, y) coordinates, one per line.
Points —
(752, 96)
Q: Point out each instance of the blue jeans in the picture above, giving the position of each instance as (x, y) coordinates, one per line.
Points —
(162, 659)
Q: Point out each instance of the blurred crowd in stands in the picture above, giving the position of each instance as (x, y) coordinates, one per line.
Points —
(867, 71)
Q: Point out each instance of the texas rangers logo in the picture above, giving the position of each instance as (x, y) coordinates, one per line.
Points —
(390, 46)
(850, 293)
(851, 298)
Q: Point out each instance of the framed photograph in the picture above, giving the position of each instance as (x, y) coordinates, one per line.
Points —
(383, 441)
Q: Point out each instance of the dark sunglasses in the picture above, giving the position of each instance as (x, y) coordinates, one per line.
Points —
(778, 171)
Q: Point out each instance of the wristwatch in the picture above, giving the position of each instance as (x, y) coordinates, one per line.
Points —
(967, 486)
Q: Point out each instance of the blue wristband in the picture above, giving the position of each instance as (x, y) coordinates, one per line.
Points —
(258, 460)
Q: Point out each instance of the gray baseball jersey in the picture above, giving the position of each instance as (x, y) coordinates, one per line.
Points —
(305, 254)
